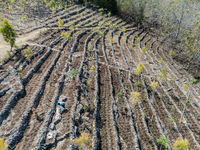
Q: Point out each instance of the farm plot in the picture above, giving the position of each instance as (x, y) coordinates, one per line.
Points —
(93, 70)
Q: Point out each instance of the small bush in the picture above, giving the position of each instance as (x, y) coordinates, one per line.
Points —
(181, 144)
(84, 142)
(3, 146)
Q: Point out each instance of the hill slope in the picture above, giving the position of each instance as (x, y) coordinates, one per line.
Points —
(98, 103)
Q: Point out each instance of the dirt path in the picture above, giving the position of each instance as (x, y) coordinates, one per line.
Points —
(19, 41)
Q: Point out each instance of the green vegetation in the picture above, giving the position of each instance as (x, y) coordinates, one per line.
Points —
(28, 53)
(3, 146)
(181, 144)
(8, 32)
(120, 95)
(84, 142)
(163, 141)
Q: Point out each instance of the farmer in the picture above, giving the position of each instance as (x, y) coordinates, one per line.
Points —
(61, 106)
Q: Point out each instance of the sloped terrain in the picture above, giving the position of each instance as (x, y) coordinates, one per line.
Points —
(107, 67)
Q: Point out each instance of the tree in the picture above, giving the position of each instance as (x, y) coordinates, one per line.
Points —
(8, 32)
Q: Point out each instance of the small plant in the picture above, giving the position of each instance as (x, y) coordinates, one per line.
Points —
(124, 37)
(171, 120)
(172, 53)
(163, 74)
(181, 144)
(89, 48)
(84, 142)
(140, 69)
(135, 97)
(21, 76)
(143, 50)
(3, 146)
(101, 33)
(90, 82)
(109, 14)
(193, 80)
(120, 95)
(120, 107)
(186, 87)
(123, 29)
(60, 23)
(72, 73)
(28, 53)
(161, 60)
(93, 68)
(24, 17)
(138, 39)
(154, 85)
(66, 35)
(86, 108)
(35, 112)
(163, 141)
(139, 83)
(133, 45)
(73, 26)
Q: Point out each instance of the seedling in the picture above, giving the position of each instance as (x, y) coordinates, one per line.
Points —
(120, 107)
(101, 33)
(133, 45)
(154, 86)
(135, 97)
(163, 141)
(172, 53)
(86, 108)
(119, 95)
(109, 14)
(93, 68)
(35, 112)
(163, 74)
(143, 50)
(60, 23)
(140, 69)
(72, 74)
(28, 53)
(73, 26)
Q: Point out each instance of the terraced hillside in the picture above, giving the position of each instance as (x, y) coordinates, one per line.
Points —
(106, 51)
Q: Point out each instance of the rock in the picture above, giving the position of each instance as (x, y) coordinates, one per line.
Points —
(79, 108)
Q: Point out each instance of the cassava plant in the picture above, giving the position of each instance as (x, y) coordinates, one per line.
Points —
(72, 75)
(140, 69)
(163, 141)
